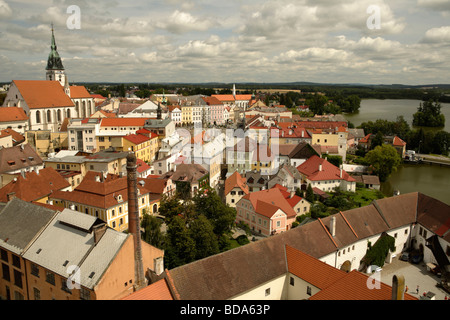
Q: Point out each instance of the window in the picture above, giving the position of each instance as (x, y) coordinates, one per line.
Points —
(291, 281)
(4, 255)
(5, 271)
(64, 286)
(85, 294)
(37, 294)
(308, 290)
(34, 270)
(18, 278)
(16, 261)
(267, 292)
(50, 277)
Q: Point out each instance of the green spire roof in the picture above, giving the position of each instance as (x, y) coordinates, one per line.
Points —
(54, 60)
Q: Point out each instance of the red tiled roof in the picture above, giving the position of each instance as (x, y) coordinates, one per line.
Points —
(312, 270)
(43, 94)
(398, 142)
(34, 186)
(236, 181)
(78, 92)
(9, 114)
(17, 137)
(212, 100)
(136, 138)
(141, 166)
(123, 122)
(156, 291)
(353, 286)
(224, 97)
(292, 200)
(311, 168)
(273, 197)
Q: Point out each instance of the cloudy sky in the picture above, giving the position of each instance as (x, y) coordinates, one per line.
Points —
(232, 41)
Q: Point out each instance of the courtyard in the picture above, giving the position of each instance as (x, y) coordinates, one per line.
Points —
(415, 275)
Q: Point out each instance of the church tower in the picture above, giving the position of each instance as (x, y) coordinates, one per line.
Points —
(55, 68)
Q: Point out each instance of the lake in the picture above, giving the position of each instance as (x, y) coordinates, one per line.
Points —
(390, 109)
(433, 180)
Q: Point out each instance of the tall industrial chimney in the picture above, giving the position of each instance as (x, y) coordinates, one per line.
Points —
(134, 221)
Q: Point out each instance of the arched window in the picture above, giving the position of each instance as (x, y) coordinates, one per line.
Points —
(68, 113)
(49, 116)
(38, 117)
(58, 115)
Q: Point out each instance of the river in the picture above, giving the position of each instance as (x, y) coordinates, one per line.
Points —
(431, 180)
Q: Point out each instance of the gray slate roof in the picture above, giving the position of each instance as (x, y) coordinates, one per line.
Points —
(20, 223)
(68, 241)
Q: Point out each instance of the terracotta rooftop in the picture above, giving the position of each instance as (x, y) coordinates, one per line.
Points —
(353, 286)
(136, 138)
(319, 169)
(123, 122)
(155, 291)
(34, 186)
(43, 94)
(236, 181)
(11, 114)
(78, 92)
(274, 197)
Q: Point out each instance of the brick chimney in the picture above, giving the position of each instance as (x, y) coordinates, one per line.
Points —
(134, 221)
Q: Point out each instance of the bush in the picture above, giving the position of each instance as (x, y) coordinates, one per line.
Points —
(242, 240)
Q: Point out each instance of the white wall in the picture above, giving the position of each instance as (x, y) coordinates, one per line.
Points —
(276, 287)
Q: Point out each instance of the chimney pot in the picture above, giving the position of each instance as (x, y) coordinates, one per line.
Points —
(333, 226)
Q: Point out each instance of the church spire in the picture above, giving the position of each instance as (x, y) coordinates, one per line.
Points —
(54, 60)
(55, 69)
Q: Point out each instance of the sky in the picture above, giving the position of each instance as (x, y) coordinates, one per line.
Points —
(232, 41)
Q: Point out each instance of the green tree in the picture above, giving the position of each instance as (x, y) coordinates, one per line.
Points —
(317, 103)
(384, 160)
(170, 207)
(152, 230)
(441, 143)
(309, 194)
(202, 232)
(429, 115)
(209, 204)
(179, 246)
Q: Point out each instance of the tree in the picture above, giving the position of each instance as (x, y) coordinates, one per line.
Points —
(179, 246)
(429, 115)
(208, 203)
(384, 160)
(317, 103)
(441, 143)
(170, 207)
(152, 230)
(206, 242)
(309, 194)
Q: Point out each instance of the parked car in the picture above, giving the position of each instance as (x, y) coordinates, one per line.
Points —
(416, 258)
(404, 256)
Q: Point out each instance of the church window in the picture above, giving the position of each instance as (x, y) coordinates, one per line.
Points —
(49, 116)
(38, 117)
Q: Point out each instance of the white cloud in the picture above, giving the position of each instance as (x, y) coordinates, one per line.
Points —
(5, 10)
(438, 35)
(182, 22)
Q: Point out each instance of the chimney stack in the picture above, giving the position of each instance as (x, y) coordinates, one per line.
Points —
(99, 231)
(134, 221)
(333, 226)
(398, 287)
